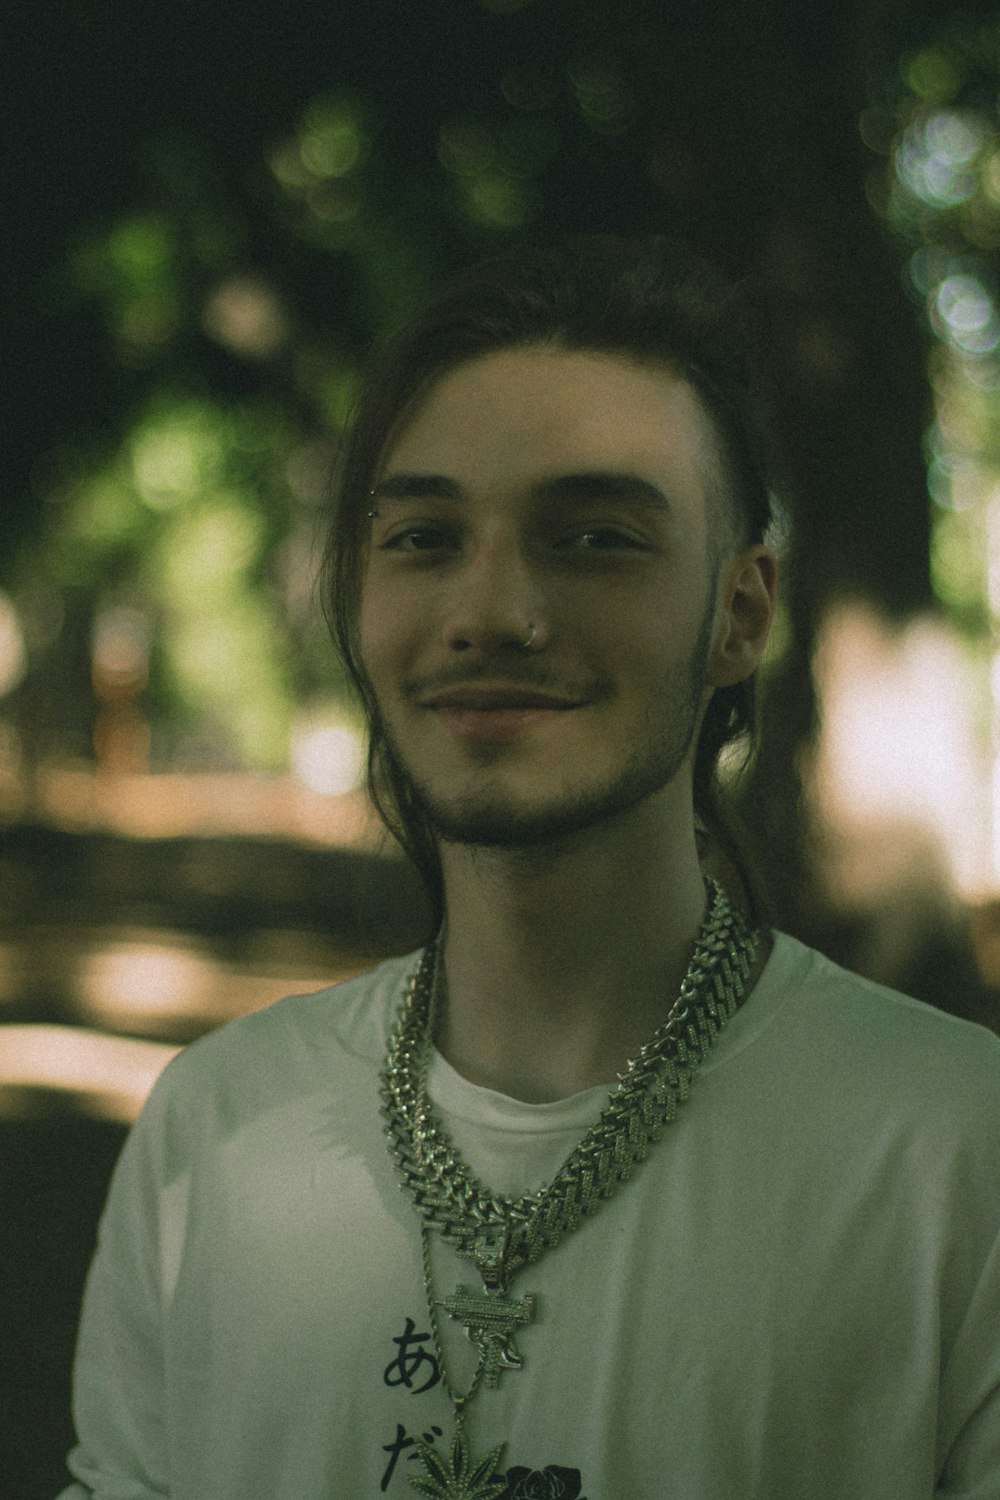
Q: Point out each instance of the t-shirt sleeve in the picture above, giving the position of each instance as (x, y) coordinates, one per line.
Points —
(118, 1380)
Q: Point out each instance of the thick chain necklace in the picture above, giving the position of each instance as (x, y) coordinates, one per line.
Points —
(502, 1235)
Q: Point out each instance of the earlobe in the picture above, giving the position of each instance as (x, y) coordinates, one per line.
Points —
(748, 591)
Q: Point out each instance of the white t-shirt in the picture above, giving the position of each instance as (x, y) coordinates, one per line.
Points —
(796, 1297)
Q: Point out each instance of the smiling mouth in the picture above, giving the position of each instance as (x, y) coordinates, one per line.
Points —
(484, 716)
(497, 700)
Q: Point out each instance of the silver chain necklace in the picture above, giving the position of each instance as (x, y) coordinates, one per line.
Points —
(502, 1235)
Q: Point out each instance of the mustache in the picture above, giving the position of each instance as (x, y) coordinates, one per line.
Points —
(522, 675)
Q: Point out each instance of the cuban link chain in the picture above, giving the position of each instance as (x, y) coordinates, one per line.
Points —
(502, 1235)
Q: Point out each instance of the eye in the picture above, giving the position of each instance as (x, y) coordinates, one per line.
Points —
(605, 539)
(418, 539)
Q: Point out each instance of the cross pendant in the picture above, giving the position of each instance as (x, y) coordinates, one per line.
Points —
(490, 1320)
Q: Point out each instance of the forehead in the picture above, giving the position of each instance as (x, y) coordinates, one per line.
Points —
(519, 416)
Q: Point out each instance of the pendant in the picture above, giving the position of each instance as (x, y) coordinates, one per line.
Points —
(490, 1320)
(460, 1477)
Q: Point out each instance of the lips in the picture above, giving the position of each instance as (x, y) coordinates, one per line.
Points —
(495, 715)
(496, 699)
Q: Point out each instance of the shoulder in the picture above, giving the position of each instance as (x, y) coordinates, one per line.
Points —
(277, 1074)
(826, 993)
(852, 1038)
(288, 1046)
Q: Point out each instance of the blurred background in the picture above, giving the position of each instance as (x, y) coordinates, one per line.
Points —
(212, 209)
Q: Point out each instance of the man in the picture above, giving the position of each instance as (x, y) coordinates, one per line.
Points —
(658, 1203)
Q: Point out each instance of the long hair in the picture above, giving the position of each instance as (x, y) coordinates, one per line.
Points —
(647, 299)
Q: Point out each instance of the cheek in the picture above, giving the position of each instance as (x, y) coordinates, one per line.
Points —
(388, 631)
(650, 643)
(634, 626)
(374, 634)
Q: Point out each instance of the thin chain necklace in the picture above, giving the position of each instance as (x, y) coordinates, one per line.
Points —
(502, 1235)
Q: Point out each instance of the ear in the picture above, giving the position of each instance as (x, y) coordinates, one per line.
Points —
(745, 609)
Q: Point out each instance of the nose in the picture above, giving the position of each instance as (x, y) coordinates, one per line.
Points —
(494, 600)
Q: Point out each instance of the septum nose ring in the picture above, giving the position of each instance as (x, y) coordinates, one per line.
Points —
(532, 632)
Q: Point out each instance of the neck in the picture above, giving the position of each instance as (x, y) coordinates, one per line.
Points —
(561, 961)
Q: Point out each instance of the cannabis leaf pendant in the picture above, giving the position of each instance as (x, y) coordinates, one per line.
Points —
(459, 1477)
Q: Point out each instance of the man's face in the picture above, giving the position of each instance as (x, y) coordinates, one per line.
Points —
(561, 493)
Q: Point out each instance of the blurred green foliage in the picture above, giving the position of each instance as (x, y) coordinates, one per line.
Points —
(937, 126)
(236, 313)
(239, 358)
(237, 319)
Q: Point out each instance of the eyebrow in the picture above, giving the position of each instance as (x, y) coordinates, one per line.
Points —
(589, 486)
(417, 487)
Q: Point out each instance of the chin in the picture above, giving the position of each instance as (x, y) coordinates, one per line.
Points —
(508, 806)
(506, 823)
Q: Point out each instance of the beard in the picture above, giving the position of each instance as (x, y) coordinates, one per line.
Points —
(487, 818)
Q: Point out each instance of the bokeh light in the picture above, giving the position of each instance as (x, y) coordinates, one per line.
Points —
(177, 452)
(936, 159)
(13, 653)
(938, 128)
(120, 652)
(245, 315)
(142, 985)
(899, 772)
(963, 311)
(333, 142)
(494, 167)
(321, 169)
(602, 94)
(328, 755)
(107, 1076)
